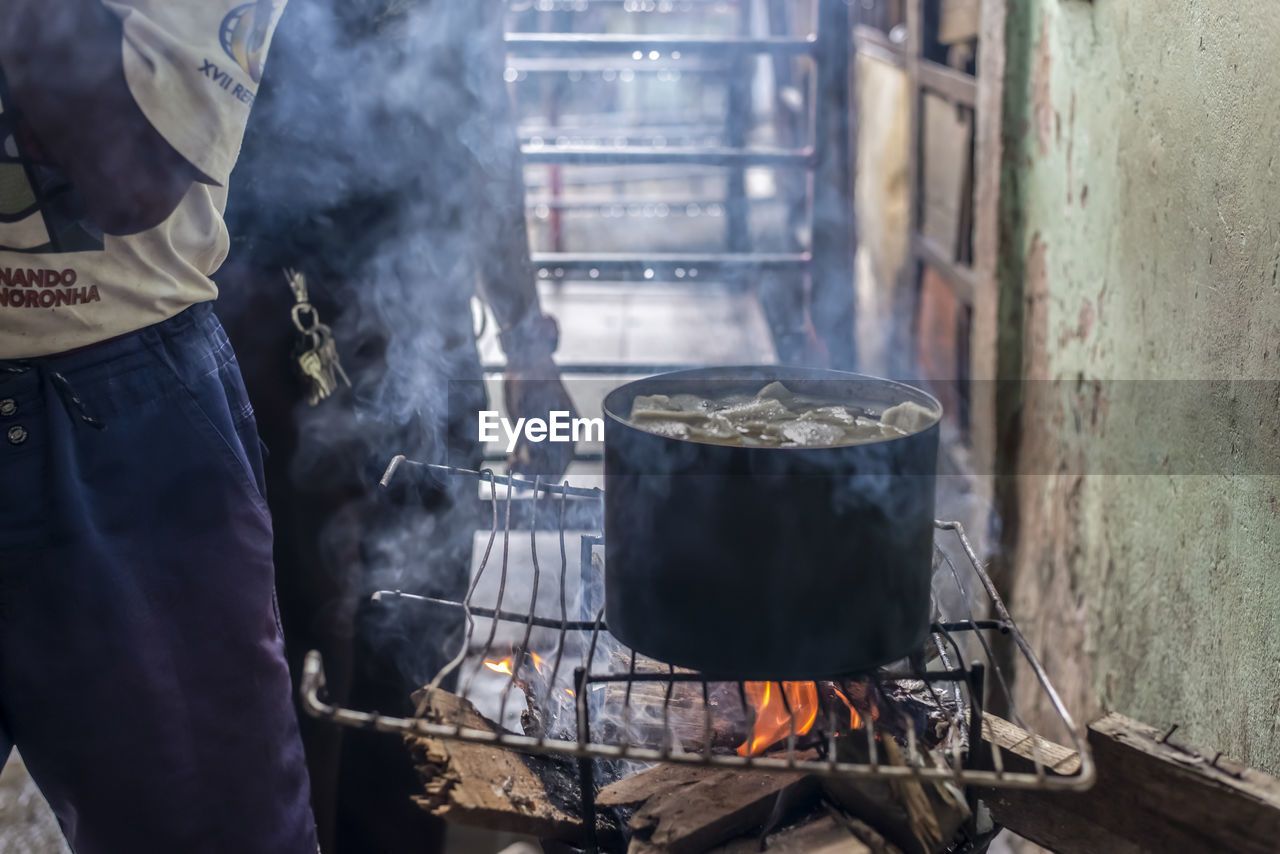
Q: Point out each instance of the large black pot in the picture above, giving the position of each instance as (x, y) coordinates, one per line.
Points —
(769, 563)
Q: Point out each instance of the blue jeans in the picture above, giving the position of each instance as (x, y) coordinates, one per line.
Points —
(142, 671)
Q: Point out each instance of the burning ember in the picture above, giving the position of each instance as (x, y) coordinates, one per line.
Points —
(781, 707)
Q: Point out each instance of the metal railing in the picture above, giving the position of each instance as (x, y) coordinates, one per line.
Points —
(822, 273)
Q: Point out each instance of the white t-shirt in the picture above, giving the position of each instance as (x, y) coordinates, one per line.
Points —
(193, 69)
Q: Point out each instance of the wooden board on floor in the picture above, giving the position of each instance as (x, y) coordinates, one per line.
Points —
(638, 788)
(1151, 795)
(686, 809)
(493, 787)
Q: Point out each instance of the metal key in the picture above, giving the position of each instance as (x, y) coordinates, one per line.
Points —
(320, 382)
(329, 354)
(319, 363)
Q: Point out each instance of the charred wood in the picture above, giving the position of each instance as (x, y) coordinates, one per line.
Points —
(916, 816)
(686, 809)
(494, 787)
(823, 835)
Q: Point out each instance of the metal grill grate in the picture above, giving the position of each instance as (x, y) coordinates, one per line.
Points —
(607, 681)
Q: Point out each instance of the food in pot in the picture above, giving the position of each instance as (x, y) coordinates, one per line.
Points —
(773, 417)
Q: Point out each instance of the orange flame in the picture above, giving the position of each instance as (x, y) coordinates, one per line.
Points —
(855, 719)
(773, 721)
(505, 665)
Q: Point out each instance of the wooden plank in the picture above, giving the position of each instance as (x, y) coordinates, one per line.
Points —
(685, 718)
(494, 787)
(984, 319)
(955, 86)
(959, 20)
(870, 41)
(881, 203)
(1055, 824)
(958, 276)
(938, 349)
(821, 836)
(665, 777)
(917, 817)
(1019, 754)
(906, 303)
(1175, 789)
(638, 788)
(1152, 795)
(691, 813)
(946, 191)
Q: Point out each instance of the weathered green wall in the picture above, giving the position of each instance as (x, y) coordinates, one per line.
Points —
(1140, 234)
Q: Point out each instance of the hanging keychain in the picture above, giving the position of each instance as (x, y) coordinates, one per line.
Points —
(316, 353)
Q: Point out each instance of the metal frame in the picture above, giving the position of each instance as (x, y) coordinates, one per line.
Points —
(968, 765)
(575, 44)
(665, 266)
(823, 276)
(641, 155)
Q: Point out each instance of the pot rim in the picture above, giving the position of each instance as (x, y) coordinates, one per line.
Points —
(779, 373)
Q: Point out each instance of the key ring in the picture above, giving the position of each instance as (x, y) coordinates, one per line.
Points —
(297, 317)
(298, 284)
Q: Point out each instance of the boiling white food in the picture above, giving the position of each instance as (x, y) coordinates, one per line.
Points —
(773, 417)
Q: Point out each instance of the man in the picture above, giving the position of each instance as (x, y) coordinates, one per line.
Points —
(382, 162)
(142, 673)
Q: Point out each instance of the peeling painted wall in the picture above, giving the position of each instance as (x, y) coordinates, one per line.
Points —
(1140, 231)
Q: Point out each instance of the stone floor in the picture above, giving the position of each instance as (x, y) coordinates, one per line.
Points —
(26, 824)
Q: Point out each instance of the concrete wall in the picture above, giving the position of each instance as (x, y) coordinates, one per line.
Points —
(1140, 239)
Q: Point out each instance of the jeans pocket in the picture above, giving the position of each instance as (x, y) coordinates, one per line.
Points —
(252, 447)
(217, 404)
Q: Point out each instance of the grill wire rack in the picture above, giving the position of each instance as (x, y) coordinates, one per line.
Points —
(596, 683)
